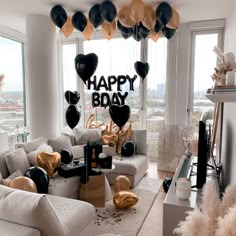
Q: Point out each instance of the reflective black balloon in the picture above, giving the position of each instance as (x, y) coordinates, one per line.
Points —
(143, 30)
(66, 156)
(128, 149)
(72, 116)
(158, 26)
(136, 33)
(125, 36)
(141, 68)
(95, 16)
(72, 97)
(164, 12)
(166, 184)
(79, 21)
(119, 114)
(58, 15)
(168, 33)
(123, 29)
(40, 178)
(86, 65)
(108, 11)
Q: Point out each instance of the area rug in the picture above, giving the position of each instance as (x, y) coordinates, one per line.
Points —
(127, 222)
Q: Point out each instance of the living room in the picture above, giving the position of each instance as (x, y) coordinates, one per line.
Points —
(38, 67)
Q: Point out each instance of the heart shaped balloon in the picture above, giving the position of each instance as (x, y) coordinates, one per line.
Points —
(141, 68)
(119, 114)
(72, 116)
(72, 97)
(86, 65)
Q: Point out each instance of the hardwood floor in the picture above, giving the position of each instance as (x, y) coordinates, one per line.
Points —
(152, 225)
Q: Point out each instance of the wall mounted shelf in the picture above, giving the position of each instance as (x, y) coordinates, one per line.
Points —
(222, 97)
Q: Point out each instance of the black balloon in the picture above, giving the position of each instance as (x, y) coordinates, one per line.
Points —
(79, 21)
(143, 30)
(66, 156)
(123, 29)
(40, 178)
(58, 15)
(166, 184)
(141, 68)
(158, 26)
(136, 33)
(72, 116)
(164, 12)
(86, 65)
(72, 97)
(108, 11)
(95, 16)
(168, 33)
(127, 149)
(125, 36)
(119, 114)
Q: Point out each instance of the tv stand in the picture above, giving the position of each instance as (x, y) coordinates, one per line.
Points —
(174, 210)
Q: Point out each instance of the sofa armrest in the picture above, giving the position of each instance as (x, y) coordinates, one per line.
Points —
(139, 137)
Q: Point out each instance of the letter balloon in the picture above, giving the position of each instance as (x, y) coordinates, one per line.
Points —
(58, 15)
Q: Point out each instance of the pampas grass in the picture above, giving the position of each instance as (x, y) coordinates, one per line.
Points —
(229, 199)
(195, 224)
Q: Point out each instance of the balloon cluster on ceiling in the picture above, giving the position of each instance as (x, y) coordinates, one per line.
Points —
(136, 19)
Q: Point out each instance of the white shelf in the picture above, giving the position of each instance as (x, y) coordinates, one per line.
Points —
(222, 97)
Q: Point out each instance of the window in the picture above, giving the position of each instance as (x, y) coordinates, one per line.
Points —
(12, 102)
(115, 57)
(203, 68)
(155, 99)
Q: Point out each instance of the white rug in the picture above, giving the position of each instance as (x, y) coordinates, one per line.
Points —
(127, 222)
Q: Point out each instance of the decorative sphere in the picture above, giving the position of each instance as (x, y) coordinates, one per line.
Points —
(40, 178)
(121, 183)
(23, 183)
(166, 184)
(127, 149)
(66, 156)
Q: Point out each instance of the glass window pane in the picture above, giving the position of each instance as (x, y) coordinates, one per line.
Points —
(115, 57)
(156, 87)
(12, 91)
(203, 69)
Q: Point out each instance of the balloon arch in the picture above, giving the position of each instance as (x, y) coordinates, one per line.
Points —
(136, 19)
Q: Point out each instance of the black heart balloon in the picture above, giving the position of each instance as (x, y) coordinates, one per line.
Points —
(119, 114)
(86, 65)
(168, 33)
(58, 15)
(72, 116)
(141, 68)
(72, 97)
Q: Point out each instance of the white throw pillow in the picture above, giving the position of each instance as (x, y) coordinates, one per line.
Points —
(32, 156)
(62, 142)
(30, 209)
(32, 145)
(82, 136)
(17, 160)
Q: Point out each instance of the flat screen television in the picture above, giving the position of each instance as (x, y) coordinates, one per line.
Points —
(203, 154)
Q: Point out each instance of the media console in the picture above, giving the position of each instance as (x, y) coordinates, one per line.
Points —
(174, 210)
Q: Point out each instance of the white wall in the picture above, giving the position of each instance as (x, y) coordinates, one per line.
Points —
(228, 152)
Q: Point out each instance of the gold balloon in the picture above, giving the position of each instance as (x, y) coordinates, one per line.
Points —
(174, 21)
(124, 199)
(49, 161)
(154, 36)
(123, 136)
(88, 31)
(121, 183)
(124, 17)
(136, 10)
(108, 29)
(23, 183)
(110, 140)
(149, 19)
(67, 29)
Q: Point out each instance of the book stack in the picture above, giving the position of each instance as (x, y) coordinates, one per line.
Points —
(222, 89)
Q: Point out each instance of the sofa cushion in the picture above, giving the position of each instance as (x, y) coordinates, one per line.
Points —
(31, 145)
(75, 216)
(29, 209)
(3, 165)
(78, 151)
(82, 136)
(17, 160)
(59, 143)
(32, 156)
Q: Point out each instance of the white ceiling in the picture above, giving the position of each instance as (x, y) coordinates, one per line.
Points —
(13, 12)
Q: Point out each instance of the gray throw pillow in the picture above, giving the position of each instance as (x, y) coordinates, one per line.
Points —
(17, 160)
(82, 136)
(62, 142)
